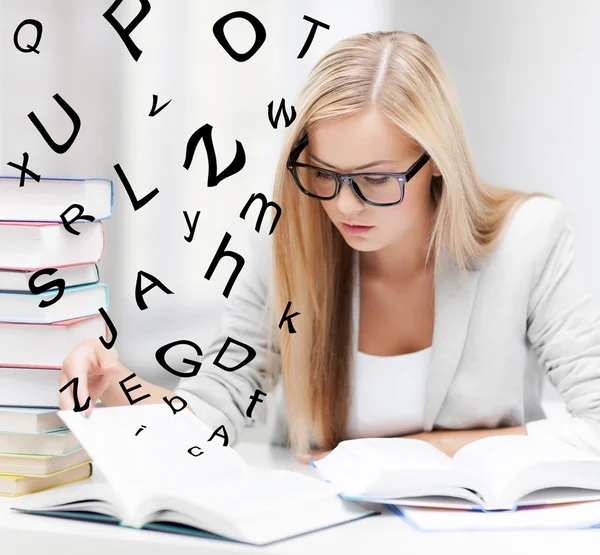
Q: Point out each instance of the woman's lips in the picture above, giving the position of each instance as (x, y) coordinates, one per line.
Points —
(356, 229)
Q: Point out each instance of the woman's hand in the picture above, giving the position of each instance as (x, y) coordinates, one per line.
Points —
(95, 369)
(314, 455)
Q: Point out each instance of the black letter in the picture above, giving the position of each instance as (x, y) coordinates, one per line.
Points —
(288, 319)
(139, 293)
(24, 170)
(162, 351)
(60, 149)
(126, 391)
(311, 35)
(124, 32)
(38, 38)
(154, 102)
(142, 427)
(221, 253)
(225, 437)
(111, 328)
(259, 31)
(281, 108)
(67, 224)
(190, 225)
(264, 206)
(249, 357)
(205, 133)
(170, 403)
(195, 447)
(36, 290)
(77, 407)
(254, 399)
(137, 204)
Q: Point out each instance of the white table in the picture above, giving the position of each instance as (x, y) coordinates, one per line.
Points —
(386, 533)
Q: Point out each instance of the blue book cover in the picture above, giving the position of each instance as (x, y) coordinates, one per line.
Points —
(41, 319)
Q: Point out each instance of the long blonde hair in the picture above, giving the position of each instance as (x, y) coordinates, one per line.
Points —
(401, 74)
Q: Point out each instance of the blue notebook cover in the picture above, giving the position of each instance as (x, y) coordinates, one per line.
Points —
(52, 293)
(3, 270)
(398, 512)
(49, 179)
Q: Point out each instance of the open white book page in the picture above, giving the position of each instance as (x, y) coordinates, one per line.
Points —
(140, 462)
(260, 506)
(79, 496)
(516, 465)
(98, 497)
(152, 480)
(388, 468)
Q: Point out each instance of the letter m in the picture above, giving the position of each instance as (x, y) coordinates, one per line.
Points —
(263, 208)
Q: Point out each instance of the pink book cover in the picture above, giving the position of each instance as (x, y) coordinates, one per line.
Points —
(45, 224)
(63, 323)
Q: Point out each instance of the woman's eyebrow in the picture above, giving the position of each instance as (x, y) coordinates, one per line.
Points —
(364, 166)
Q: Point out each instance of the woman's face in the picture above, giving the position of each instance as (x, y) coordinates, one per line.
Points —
(369, 138)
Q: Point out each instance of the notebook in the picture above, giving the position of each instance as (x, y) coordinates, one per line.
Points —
(76, 302)
(57, 442)
(15, 485)
(18, 280)
(534, 517)
(46, 200)
(34, 245)
(40, 465)
(53, 342)
(168, 476)
(29, 387)
(29, 419)
(495, 473)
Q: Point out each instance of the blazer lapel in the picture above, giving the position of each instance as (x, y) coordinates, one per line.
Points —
(453, 302)
(454, 296)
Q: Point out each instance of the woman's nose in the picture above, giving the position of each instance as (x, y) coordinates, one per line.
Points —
(347, 201)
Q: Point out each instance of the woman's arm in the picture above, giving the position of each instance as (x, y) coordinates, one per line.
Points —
(447, 441)
(221, 397)
(450, 441)
(563, 329)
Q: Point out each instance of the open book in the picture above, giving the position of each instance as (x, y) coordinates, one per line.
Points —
(493, 473)
(161, 472)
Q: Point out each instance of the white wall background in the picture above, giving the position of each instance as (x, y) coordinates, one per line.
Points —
(526, 73)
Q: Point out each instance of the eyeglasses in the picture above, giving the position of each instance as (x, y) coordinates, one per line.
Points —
(377, 189)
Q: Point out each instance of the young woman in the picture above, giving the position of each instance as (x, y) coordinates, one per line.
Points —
(430, 302)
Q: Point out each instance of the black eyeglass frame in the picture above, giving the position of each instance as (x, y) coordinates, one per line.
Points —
(340, 178)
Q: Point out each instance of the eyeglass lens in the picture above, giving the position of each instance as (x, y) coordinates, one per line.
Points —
(374, 187)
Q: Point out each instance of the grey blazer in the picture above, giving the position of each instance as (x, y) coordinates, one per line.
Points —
(523, 312)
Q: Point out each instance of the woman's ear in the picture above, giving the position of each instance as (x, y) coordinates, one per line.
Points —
(434, 169)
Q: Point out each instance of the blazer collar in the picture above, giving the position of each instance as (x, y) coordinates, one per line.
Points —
(454, 294)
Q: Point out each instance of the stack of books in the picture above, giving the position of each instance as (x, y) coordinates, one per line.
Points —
(44, 317)
(37, 452)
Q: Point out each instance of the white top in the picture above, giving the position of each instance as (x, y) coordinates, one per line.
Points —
(388, 394)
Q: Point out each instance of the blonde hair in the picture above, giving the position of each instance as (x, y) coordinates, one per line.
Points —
(401, 74)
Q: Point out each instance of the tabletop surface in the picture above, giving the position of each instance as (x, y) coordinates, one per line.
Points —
(383, 533)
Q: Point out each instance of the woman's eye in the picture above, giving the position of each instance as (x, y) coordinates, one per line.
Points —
(376, 180)
(322, 175)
